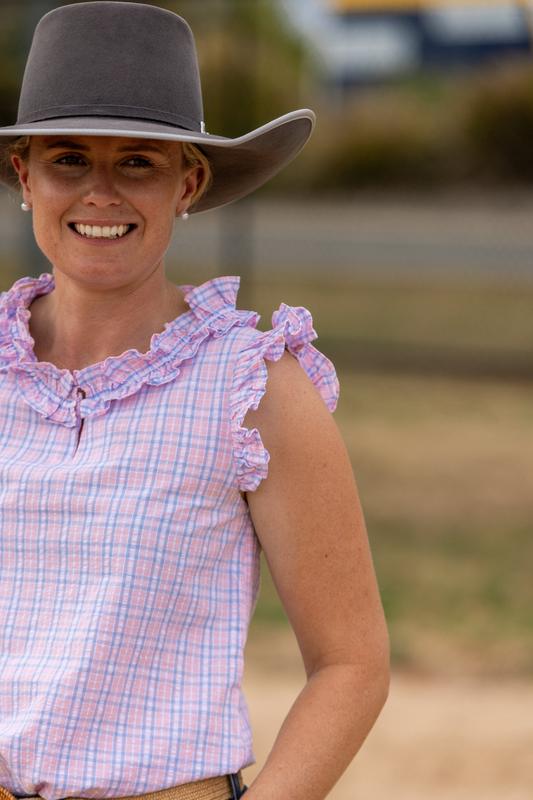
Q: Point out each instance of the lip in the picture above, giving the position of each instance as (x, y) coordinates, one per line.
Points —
(100, 222)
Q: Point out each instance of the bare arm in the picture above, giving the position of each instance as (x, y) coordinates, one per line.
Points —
(308, 518)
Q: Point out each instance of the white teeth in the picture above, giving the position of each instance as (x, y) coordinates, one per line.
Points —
(101, 232)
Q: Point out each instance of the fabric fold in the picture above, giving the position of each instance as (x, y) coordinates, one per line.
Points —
(50, 391)
(292, 330)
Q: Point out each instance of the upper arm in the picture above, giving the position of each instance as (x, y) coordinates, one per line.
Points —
(309, 521)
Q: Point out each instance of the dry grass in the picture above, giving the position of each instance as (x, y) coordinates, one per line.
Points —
(444, 471)
(480, 318)
(435, 449)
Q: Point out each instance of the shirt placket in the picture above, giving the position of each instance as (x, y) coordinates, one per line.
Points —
(79, 394)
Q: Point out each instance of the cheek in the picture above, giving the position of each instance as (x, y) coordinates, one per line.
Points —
(47, 234)
(48, 211)
(159, 233)
(49, 205)
(159, 212)
(50, 199)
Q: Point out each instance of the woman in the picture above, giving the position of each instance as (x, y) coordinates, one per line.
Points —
(152, 441)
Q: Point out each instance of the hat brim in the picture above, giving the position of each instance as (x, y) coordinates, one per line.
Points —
(239, 165)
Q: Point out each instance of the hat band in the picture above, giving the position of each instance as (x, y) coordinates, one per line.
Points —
(129, 112)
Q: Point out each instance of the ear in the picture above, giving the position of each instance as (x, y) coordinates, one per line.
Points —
(21, 168)
(191, 181)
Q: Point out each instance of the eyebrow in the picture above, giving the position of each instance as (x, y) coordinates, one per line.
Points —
(127, 148)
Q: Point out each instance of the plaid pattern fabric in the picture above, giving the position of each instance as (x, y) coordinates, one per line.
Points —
(129, 566)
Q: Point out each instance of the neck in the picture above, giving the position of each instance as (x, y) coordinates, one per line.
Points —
(75, 326)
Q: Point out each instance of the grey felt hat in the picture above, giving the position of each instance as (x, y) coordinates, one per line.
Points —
(109, 68)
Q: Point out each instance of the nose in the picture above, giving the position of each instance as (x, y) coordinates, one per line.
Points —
(101, 189)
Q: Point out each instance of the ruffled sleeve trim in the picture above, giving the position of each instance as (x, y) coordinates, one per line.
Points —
(293, 331)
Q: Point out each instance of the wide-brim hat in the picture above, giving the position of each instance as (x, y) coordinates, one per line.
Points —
(110, 68)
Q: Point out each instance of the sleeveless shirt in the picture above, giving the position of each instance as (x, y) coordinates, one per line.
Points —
(129, 566)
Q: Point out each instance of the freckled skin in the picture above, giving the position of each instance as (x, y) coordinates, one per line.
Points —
(97, 180)
(306, 513)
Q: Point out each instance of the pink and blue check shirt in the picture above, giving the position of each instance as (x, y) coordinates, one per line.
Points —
(129, 566)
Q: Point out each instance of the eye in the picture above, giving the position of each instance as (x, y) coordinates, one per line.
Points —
(138, 161)
(70, 159)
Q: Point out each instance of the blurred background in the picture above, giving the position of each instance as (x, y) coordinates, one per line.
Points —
(406, 226)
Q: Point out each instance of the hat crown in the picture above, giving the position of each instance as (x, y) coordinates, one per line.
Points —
(114, 59)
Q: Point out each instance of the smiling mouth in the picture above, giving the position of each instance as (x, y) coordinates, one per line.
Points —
(101, 231)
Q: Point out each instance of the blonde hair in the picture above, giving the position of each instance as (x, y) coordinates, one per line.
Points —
(20, 147)
(192, 156)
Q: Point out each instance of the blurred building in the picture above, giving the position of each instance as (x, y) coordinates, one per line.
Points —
(366, 41)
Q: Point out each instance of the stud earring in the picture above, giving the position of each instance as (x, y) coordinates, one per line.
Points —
(25, 206)
(184, 216)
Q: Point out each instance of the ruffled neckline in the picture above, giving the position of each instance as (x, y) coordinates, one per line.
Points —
(64, 396)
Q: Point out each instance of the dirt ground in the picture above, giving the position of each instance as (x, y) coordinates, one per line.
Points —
(440, 738)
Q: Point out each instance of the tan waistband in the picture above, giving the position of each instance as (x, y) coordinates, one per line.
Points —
(209, 789)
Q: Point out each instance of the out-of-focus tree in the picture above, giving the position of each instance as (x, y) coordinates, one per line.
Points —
(253, 66)
(499, 125)
(13, 47)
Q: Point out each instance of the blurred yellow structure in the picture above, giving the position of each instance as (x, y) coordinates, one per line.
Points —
(410, 5)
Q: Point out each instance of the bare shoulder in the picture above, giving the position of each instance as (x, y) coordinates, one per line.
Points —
(309, 471)
(292, 409)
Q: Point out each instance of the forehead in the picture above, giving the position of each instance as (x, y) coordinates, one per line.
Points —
(115, 144)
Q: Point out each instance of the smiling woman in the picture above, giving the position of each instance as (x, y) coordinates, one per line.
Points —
(100, 183)
(152, 441)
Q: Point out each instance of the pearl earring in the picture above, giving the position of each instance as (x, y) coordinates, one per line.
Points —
(184, 216)
(25, 206)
